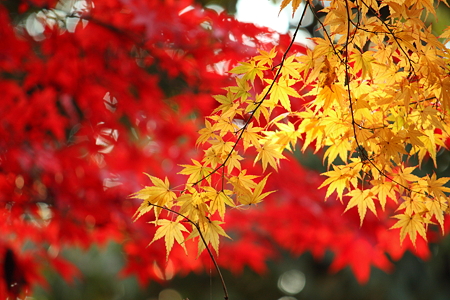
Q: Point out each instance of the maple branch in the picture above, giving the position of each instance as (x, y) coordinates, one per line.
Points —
(410, 61)
(223, 179)
(258, 104)
(225, 291)
(359, 148)
(328, 36)
(349, 21)
(358, 25)
(363, 154)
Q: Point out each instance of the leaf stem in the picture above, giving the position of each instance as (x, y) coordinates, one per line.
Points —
(225, 291)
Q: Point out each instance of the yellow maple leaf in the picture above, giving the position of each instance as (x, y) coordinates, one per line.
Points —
(429, 142)
(243, 183)
(269, 154)
(383, 189)
(218, 151)
(256, 196)
(341, 178)
(233, 161)
(211, 231)
(437, 208)
(159, 194)
(287, 136)
(341, 147)
(226, 102)
(193, 205)
(171, 231)
(410, 225)
(266, 58)
(436, 186)
(212, 158)
(250, 70)
(196, 172)
(281, 91)
(413, 204)
(363, 199)
(331, 95)
(363, 62)
(219, 200)
(224, 124)
(256, 109)
(405, 176)
(291, 67)
(206, 133)
(295, 5)
(251, 136)
(241, 89)
(446, 33)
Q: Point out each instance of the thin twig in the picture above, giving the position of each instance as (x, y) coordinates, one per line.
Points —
(225, 291)
(258, 104)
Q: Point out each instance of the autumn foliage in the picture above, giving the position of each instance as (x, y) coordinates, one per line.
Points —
(95, 93)
(372, 94)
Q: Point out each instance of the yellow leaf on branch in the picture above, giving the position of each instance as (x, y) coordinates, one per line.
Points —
(171, 231)
(256, 196)
(280, 92)
(411, 225)
(211, 231)
(340, 179)
(158, 194)
(269, 154)
(363, 63)
(295, 5)
(196, 172)
(363, 199)
(250, 70)
(219, 200)
(265, 58)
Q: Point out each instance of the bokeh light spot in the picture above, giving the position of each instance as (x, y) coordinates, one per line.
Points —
(169, 294)
(292, 282)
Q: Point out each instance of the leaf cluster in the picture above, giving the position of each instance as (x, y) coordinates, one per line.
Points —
(372, 94)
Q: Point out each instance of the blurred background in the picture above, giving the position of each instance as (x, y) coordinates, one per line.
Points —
(288, 278)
